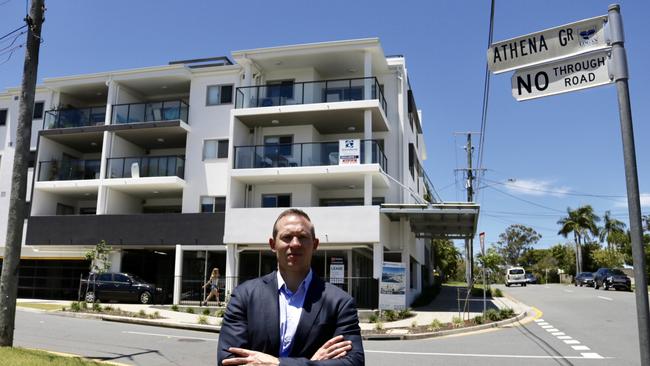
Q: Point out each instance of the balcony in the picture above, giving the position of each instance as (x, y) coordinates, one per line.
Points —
(68, 170)
(300, 155)
(146, 166)
(170, 110)
(72, 117)
(326, 91)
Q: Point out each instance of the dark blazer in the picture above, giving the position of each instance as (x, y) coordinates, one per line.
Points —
(252, 321)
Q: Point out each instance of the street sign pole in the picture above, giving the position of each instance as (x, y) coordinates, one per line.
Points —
(619, 72)
(482, 240)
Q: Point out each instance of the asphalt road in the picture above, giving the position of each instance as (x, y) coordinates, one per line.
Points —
(577, 326)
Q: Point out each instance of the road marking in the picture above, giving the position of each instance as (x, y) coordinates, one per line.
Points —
(540, 320)
(580, 348)
(564, 337)
(571, 341)
(543, 323)
(606, 298)
(172, 336)
(569, 291)
(558, 334)
(552, 330)
(547, 326)
(584, 355)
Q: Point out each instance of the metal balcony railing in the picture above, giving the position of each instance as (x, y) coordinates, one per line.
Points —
(150, 112)
(68, 170)
(73, 117)
(300, 154)
(326, 91)
(146, 166)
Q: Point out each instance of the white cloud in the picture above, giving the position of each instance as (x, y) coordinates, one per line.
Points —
(536, 187)
(644, 199)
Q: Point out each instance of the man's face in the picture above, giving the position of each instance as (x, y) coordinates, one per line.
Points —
(294, 244)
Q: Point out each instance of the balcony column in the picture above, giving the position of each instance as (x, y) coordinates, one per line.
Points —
(178, 274)
(377, 259)
(367, 156)
(231, 268)
(367, 73)
(248, 81)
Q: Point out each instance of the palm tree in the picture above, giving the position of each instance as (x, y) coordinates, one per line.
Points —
(610, 226)
(580, 222)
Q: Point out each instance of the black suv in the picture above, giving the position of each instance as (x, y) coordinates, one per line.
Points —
(121, 287)
(607, 277)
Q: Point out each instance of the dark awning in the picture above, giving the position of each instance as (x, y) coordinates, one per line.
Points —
(453, 220)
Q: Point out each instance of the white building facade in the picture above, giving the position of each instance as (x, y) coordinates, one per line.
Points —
(184, 167)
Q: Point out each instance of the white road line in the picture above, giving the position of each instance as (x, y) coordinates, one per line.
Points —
(571, 341)
(543, 323)
(569, 291)
(547, 326)
(584, 355)
(580, 348)
(558, 334)
(172, 336)
(606, 298)
(552, 330)
(563, 337)
(539, 320)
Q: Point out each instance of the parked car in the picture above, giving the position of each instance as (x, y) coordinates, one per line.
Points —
(121, 287)
(515, 276)
(530, 278)
(607, 277)
(584, 279)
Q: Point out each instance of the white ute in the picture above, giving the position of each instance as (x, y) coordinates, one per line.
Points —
(515, 275)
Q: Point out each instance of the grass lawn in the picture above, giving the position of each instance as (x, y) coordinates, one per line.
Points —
(34, 305)
(27, 357)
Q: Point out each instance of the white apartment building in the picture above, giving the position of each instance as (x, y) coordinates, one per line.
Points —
(184, 167)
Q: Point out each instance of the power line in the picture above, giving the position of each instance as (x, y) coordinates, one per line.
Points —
(568, 193)
(524, 200)
(12, 32)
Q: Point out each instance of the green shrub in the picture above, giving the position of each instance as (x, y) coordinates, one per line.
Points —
(142, 313)
(174, 307)
(203, 319)
(108, 308)
(206, 312)
(97, 306)
(435, 325)
(189, 310)
(220, 313)
(457, 321)
(373, 318)
(155, 315)
(506, 313)
(478, 319)
(497, 293)
(83, 305)
(379, 326)
(492, 315)
(75, 306)
(406, 313)
(389, 315)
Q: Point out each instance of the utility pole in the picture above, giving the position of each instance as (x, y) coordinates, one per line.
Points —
(469, 185)
(17, 201)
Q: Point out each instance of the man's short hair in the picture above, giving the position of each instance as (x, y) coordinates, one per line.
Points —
(289, 212)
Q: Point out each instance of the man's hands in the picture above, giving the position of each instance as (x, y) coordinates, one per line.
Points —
(336, 347)
(249, 357)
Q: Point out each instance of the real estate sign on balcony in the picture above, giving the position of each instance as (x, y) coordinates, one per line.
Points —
(349, 152)
(392, 287)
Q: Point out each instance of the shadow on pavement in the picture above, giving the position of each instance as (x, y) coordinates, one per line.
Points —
(453, 298)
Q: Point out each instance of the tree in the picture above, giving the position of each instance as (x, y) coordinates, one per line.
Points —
(515, 241)
(580, 222)
(563, 254)
(492, 262)
(610, 227)
(546, 264)
(98, 257)
(607, 258)
(446, 258)
(532, 257)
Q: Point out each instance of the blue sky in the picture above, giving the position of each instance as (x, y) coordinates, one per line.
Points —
(559, 146)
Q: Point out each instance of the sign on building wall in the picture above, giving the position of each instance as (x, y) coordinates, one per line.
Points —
(337, 270)
(392, 287)
(349, 152)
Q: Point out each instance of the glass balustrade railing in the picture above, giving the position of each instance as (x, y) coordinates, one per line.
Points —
(301, 154)
(73, 117)
(150, 112)
(326, 91)
(146, 166)
(68, 169)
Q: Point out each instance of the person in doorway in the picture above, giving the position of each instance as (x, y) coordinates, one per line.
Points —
(213, 282)
(290, 316)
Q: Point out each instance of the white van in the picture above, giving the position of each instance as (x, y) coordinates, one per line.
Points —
(515, 276)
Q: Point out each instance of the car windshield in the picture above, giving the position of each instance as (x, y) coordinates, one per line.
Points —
(137, 279)
(516, 271)
(587, 274)
(617, 272)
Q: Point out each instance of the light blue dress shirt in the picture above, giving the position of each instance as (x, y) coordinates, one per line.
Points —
(290, 311)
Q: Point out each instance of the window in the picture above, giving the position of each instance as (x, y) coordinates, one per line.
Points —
(282, 89)
(412, 160)
(277, 147)
(87, 210)
(215, 149)
(62, 209)
(3, 117)
(218, 94)
(213, 204)
(276, 200)
(38, 110)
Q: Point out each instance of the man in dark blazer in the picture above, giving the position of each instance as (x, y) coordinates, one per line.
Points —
(261, 325)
